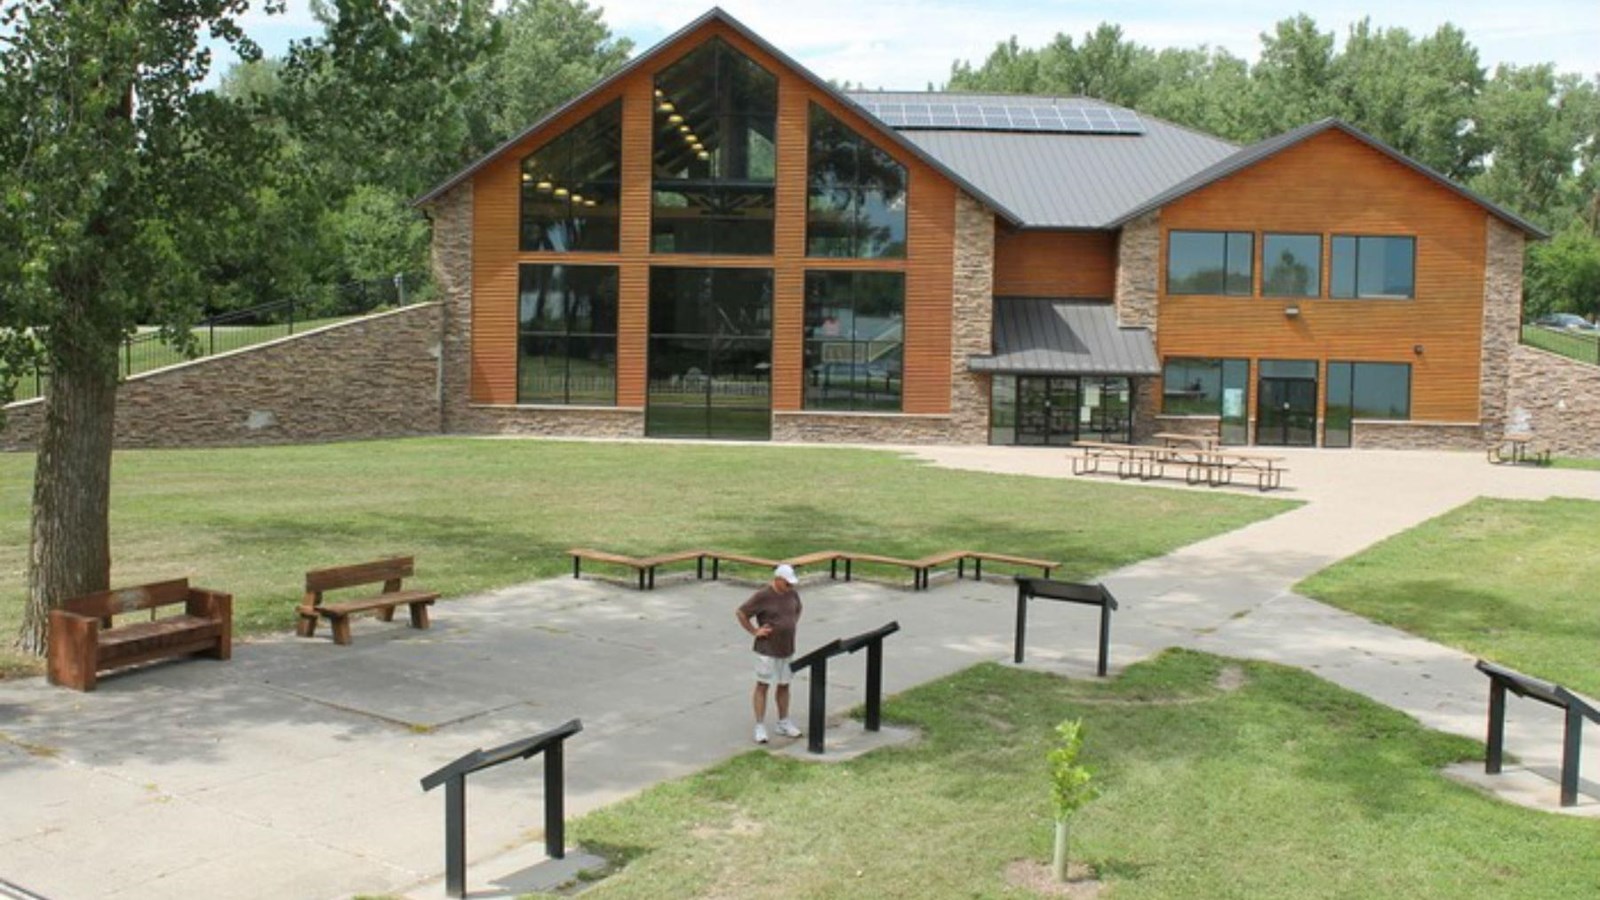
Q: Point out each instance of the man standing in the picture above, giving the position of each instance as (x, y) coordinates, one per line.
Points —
(771, 615)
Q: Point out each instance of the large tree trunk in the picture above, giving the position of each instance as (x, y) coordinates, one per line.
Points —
(70, 550)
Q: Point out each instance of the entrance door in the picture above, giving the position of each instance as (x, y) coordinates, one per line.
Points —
(1286, 414)
(1047, 410)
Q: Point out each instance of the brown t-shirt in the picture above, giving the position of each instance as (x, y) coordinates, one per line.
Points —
(781, 610)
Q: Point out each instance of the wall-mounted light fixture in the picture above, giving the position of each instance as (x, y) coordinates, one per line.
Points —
(1292, 311)
(1417, 349)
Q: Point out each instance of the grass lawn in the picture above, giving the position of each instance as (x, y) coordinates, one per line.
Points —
(1573, 462)
(1285, 787)
(1512, 580)
(482, 513)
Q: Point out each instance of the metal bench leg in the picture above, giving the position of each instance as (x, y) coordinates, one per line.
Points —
(641, 578)
(847, 569)
(1571, 750)
(716, 565)
(977, 569)
(699, 568)
(652, 578)
(961, 568)
(577, 563)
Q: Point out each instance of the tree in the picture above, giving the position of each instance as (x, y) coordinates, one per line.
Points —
(114, 166)
(1564, 273)
(1070, 789)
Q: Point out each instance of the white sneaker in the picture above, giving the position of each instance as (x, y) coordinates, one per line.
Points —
(788, 728)
(761, 732)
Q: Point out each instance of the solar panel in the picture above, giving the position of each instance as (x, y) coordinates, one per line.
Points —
(998, 115)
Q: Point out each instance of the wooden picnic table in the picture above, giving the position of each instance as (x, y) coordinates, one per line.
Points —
(1208, 465)
(1521, 450)
(1176, 439)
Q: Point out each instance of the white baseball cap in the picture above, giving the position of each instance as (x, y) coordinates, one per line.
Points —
(786, 572)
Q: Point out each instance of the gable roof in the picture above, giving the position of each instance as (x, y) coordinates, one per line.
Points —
(1272, 146)
(1063, 180)
(716, 14)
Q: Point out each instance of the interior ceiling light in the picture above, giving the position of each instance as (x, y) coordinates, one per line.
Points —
(526, 177)
(660, 93)
(588, 203)
(684, 129)
(689, 137)
(703, 155)
(543, 185)
(675, 119)
(666, 106)
(577, 198)
(561, 192)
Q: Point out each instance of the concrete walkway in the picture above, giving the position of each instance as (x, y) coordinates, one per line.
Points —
(292, 770)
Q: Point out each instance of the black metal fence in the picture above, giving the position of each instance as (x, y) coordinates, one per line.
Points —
(1583, 346)
(236, 329)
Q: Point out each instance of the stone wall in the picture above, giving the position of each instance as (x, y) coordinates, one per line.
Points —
(1502, 321)
(1139, 272)
(1370, 434)
(972, 321)
(1557, 399)
(862, 428)
(556, 421)
(375, 377)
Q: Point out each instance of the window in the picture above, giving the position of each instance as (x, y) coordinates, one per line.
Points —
(567, 334)
(1210, 262)
(1376, 267)
(1003, 410)
(1291, 265)
(571, 185)
(1199, 387)
(856, 199)
(710, 360)
(855, 337)
(715, 154)
(1364, 391)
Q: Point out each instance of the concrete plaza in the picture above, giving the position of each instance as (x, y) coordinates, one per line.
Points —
(293, 769)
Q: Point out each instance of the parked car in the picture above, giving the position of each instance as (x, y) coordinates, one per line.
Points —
(1567, 321)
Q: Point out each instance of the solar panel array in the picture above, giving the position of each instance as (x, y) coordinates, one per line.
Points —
(956, 115)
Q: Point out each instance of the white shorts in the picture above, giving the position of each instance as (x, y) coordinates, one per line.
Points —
(773, 669)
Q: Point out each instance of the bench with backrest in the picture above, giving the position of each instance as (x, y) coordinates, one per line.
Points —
(84, 639)
(388, 572)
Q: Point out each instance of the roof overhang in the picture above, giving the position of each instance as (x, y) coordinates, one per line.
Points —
(718, 15)
(1047, 336)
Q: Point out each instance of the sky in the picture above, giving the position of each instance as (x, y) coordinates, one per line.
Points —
(908, 44)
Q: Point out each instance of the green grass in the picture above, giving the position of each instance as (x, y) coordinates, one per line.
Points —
(1288, 787)
(1514, 581)
(1581, 346)
(147, 355)
(1573, 462)
(480, 514)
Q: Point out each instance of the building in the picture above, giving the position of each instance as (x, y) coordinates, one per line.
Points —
(714, 242)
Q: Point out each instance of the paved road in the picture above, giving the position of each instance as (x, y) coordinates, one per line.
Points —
(292, 770)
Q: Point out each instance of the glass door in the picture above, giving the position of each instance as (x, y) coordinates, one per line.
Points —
(1106, 413)
(1046, 411)
(710, 361)
(1286, 404)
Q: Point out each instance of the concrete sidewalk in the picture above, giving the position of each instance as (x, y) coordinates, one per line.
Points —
(293, 770)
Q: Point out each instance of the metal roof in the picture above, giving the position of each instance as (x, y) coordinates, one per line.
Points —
(1262, 150)
(1082, 181)
(1040, 335)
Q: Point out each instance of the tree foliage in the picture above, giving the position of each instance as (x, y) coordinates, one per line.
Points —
(1526, 137)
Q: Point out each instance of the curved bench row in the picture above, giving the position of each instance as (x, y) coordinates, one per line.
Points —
(921, 569)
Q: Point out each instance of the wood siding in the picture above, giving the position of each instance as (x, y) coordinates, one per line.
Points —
(1055, 264)
(1333, 184)
(496, 256)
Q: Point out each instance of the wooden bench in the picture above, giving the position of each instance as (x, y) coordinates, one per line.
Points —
(914, 565)
(643, 566)
(978, 556)
(388, 572)
(831, 557)
(1521, 450)
(84, 641)
(718, 557)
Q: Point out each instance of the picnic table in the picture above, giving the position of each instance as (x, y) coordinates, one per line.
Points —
(1211, 466)
(1177, 439)
(1518, 448)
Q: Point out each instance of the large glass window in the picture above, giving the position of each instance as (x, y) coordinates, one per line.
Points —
(1364, 391)
(715, 154)
(855, 340)
(710, 364)
(856, 199)
(1210, 262)
(1209, 387)
(567, 335)
(1003, 410)
(1291, 265)
(571, 186)
(1376, 267)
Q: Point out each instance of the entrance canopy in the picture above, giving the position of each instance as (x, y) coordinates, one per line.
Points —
(1042, 336)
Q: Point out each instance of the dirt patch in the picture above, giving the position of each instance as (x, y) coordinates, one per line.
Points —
(738, 827)
(1037, 878)
(1230, 679)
